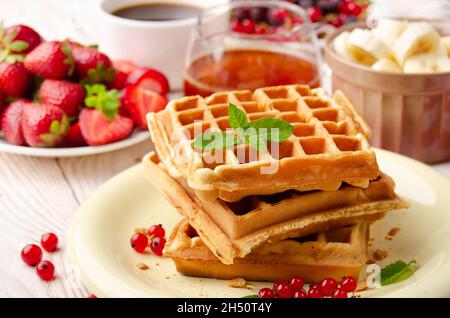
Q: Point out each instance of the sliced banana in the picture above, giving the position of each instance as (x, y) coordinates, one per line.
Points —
(417, 38)
(366, 48)
(389, 31)
(386, 65)
(427, 63)
(340, 45)
(445, 41)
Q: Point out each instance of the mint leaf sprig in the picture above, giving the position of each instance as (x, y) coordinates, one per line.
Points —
(397, 272)
(255, 133)
(106, 101)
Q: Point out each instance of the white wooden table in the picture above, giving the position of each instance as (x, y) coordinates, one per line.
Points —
(39, 195)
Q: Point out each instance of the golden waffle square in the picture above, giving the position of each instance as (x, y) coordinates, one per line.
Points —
(234, 229)
(335, 253)
(328, 145)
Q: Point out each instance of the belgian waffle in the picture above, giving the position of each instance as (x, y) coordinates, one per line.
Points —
(335, 253)
(233, 230)
(328, 145)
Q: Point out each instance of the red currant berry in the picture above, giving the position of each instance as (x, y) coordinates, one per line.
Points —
(348, 284)
(314, 14)
(265, 293)
(340, 293)
(156, 231)
(328, 286)
(343, 8)
(236, 26)
(278, 282)
(157, 245)
(91, 296)
(248, 26)
(296, 284)
(337, 22)
(31, 254)
(282, 290)
(354, 9)
(314, 291)
(139, 242)
(49, 242)
(300, 294)
(45, 270)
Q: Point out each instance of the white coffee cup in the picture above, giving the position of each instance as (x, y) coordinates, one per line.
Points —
(159, 44)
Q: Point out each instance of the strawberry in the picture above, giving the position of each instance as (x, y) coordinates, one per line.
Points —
(123, 69)
(137, 102)
(23, 33)
(74, 138)
(98, 130)
(44, 125)
(14, 79)
(50, 60)
(92, 65)
(66, 95)
(11, 122)
(149, 78)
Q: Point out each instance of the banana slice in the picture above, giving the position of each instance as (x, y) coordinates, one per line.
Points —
(389, 31)
(417, 38)
(445, 41)
(427, 63)
(365, 48)
(386, 65)
(340, 45)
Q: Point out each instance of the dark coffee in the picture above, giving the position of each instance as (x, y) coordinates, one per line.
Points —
(157, 12)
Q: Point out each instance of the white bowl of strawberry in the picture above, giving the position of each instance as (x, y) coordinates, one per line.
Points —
(60, 98)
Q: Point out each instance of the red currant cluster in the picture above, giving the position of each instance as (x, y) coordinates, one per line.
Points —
(336, 12)
(293, 288)
(154, 237)
(262, 20)
(32, 255)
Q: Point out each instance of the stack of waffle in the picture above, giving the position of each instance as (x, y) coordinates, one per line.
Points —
(302, 207)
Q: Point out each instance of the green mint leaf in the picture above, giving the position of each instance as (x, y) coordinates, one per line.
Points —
(272, 129)
(19, 46)
(106, 101)
(397, 272)
(214, 140)
(250, 296)
(236, 117)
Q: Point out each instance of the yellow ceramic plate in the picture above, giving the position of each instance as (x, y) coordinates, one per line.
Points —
(101, 254)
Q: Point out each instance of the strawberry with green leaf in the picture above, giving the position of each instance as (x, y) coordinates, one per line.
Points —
(19, 38)
(107, 101)
(51, 60)
(100, 122)
(44, 125)
(92, 66)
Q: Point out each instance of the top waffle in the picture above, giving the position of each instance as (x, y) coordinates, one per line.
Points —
(328, 145)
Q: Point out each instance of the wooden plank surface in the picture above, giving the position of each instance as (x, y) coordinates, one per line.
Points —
(39, 195)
